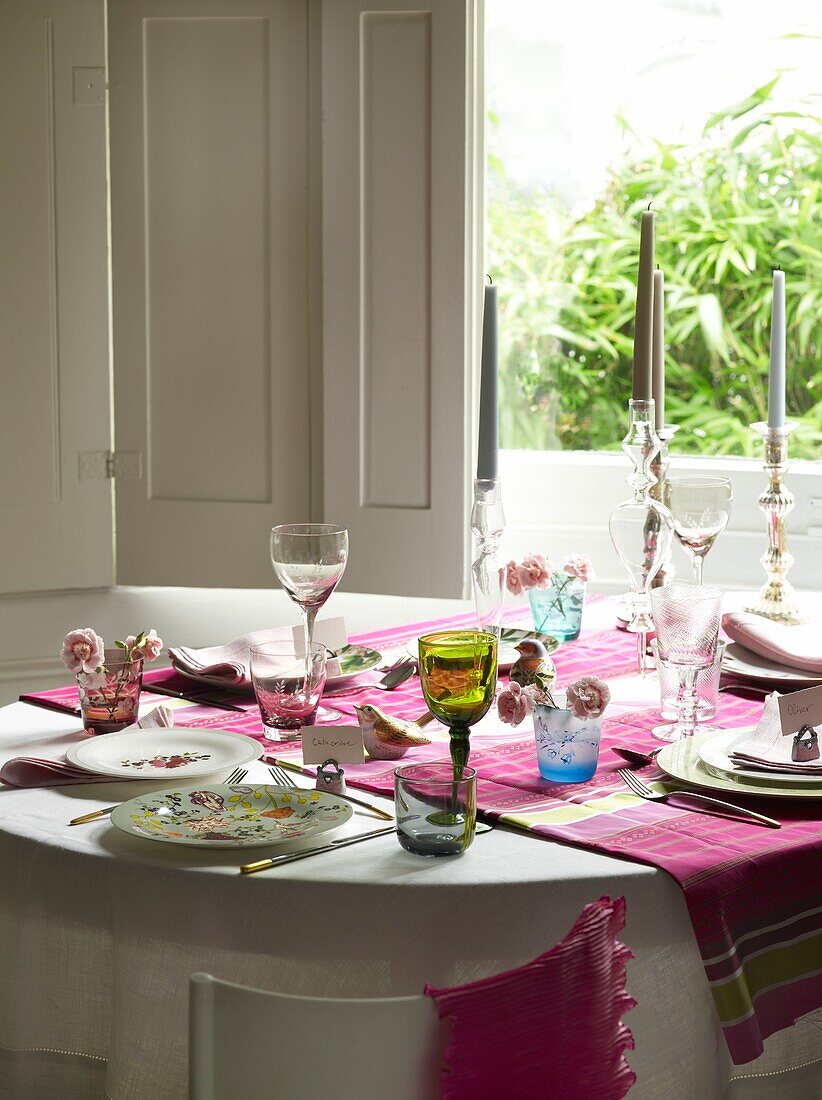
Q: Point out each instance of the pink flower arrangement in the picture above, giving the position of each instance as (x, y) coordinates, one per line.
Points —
(535, 571)
(587, 697)
(580, 566)
(82, 650)
(515, 703)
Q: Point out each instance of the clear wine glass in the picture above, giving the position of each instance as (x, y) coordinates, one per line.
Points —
(701, 507)
(686, 620)
(309, 560)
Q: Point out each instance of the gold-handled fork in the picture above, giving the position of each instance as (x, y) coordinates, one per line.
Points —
(632, 780)
(237, 776)
(280, 777)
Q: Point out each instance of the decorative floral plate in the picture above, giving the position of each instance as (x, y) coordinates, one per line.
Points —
(239, 816)
(155, 753)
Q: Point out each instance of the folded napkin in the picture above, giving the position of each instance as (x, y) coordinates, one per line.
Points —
(33, 771)
(232, 662)
(768, 749)
(795, 646)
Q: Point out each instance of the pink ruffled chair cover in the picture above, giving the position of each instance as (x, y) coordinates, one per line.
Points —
(550, 1028)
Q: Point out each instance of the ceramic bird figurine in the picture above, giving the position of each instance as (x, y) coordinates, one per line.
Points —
(533, 666)
(387, 737)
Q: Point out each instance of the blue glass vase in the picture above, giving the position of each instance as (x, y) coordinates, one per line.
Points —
(557, 610)
(567, 747)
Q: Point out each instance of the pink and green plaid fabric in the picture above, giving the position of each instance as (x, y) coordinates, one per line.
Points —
(754, 894)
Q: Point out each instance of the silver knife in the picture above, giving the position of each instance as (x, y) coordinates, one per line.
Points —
(343, 842)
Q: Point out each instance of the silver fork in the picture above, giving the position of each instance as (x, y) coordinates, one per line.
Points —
(279, 776)
(636, 785)
(237, 776)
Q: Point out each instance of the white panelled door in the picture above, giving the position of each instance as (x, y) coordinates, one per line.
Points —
(398, 109)
(55, 527)
(209, 155)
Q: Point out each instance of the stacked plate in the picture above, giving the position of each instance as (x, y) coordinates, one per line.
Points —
(704, 761)
(186, 752)
(743, 664)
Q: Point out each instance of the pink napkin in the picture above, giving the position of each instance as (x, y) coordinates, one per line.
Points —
(230, 662)
(33, 771)
(793, 646)
(767, 749)
(550, 1028)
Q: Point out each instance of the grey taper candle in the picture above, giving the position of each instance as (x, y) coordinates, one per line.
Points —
(644, 319)
(658, 366)
(489, 409)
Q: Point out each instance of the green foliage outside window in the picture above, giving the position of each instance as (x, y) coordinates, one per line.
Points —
(728, 211)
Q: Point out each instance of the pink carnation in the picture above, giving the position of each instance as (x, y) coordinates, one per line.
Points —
(515, 703)
(588, 697)
(83, 650)
(581, 566)
(152, 645)
(512, 579)
(535, 572)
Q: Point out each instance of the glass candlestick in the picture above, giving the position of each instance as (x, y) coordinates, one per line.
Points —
(777, 600)
(660, 491)
(488, 571)
(641, 527)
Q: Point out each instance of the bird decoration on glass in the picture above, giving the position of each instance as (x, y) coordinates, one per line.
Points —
(389, 738)
(533, 667)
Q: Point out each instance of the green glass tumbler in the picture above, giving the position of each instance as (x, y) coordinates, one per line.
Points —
(458, 671)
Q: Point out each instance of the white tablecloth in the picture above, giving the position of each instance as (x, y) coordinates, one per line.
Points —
(99, 933)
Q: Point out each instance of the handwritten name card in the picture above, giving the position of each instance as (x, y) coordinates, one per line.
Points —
(801, 708)
(341, 743)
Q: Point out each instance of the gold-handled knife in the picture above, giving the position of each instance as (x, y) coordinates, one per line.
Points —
(343, 842)
(94, 814)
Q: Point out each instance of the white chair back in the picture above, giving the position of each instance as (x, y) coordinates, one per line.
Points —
(258, 1045)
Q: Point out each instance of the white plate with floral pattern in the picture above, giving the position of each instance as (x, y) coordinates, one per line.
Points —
(236, 816)
(154, 753)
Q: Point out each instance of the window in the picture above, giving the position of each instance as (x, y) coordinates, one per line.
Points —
(706, 109)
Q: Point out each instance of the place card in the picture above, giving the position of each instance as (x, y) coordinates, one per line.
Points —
(800, 708)
(341, 743)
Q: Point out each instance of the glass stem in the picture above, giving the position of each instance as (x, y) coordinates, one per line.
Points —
(460, 748)
(699, 561)
(642, 645)
(687, 701)
(309, 615)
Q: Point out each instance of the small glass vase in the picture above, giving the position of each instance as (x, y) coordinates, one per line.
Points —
(109, 701)
(557, 610)
(567, 747)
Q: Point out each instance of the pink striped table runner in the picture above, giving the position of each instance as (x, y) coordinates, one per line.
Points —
(754, 894)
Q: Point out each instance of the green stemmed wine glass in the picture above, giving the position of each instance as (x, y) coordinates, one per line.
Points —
(458, 670)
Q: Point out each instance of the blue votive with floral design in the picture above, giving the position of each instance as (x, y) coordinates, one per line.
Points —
(557, 610)
(567, 747)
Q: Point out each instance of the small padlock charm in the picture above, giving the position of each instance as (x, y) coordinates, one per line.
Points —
(331, 778)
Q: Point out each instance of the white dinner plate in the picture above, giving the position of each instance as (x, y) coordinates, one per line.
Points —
(237, 816)
(155, 753)
(741, 662)
(352, 659)
(681, 761)
(715, 755)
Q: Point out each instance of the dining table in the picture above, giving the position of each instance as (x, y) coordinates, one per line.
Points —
(100, 931)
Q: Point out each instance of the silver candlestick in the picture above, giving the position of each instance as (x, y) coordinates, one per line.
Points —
(777, 600)
(641, 527)
(661, 492)
(488, 571)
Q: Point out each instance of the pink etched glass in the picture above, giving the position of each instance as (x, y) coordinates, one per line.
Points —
(109, 700)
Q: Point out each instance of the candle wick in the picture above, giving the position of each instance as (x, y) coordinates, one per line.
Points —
(650, 204)
(490, 280)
